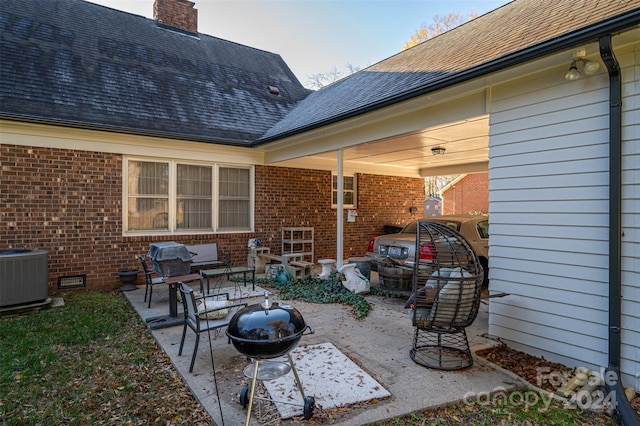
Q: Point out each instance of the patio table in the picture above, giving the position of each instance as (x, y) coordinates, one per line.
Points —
(171, 319)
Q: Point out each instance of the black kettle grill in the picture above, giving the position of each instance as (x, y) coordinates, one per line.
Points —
(263, 331)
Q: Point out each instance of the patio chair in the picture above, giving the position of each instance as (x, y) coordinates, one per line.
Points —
(447, 285)
(203, 314)
(150, 280)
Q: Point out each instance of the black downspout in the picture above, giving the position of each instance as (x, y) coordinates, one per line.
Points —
(613, 380)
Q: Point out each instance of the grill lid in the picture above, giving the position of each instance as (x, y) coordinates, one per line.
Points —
(169, 250)
(267, 329)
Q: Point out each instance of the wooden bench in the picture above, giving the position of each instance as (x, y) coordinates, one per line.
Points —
(301, 264)
(204, 255)
(287, 259)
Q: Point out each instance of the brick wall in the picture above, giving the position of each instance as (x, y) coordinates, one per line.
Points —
(297, 197)
(382, 200)
(69, 203)
(468, 196)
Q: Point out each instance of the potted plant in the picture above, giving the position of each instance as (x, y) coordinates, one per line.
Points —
(128, 277)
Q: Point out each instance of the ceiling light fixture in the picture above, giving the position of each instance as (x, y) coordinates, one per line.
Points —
(588, 67)
(438, 150)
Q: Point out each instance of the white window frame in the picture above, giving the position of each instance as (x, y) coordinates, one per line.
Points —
(172, 198)
(354, 191)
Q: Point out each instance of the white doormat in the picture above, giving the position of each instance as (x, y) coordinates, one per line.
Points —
(326, 374)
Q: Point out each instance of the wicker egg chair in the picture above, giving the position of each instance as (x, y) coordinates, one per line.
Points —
(447, 285)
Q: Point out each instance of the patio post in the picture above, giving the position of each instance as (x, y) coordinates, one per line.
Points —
(339, 212)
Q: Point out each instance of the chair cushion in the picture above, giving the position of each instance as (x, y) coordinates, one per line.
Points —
(454, 293)
(438, 275)
(428, 293)
(204, 305)
(426, 296)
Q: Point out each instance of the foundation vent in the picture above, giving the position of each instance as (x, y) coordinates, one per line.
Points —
(74, 281)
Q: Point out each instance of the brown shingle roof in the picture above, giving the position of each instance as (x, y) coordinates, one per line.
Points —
(502, 33)
(514, 27)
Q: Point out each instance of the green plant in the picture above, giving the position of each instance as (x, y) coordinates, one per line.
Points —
(376, 291)
(318, 290)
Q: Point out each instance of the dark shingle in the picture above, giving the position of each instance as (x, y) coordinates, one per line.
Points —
(78, 63)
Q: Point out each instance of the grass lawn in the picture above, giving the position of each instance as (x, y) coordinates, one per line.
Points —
(92, 361)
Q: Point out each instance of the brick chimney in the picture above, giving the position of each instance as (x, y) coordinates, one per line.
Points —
(176, 14)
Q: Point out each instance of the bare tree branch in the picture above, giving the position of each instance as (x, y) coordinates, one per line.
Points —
(439, 25)
(318, 81)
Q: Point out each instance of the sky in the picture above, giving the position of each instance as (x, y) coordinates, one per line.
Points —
(317, 36)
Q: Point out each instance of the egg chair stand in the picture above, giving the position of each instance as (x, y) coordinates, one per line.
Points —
(441, 349)
(447, 285)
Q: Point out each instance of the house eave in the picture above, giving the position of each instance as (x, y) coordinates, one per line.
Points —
(120, 129)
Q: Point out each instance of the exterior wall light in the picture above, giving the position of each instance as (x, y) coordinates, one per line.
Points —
(588, 67)
(573, 73)
(437, 150)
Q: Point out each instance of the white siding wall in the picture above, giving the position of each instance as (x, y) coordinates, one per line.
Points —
(549, 209)
(631, 216)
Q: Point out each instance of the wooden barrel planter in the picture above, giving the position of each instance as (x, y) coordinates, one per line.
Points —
(394, 278)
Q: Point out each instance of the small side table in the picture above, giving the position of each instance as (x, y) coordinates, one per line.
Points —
(220, 273)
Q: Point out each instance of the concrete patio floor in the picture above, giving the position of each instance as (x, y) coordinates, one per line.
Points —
(379, 344)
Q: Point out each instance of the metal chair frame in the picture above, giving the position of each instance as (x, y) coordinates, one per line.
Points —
(197, 321)
(150, 280)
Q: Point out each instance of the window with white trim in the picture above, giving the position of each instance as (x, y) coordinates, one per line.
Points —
(180, 197)
(349, 191)
(234, 198)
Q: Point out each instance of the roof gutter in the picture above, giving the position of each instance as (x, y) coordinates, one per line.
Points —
(613, 381)
(569, 40)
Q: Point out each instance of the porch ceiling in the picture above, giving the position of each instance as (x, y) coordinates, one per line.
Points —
(466, 144)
